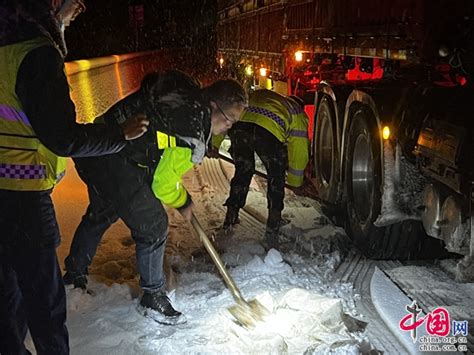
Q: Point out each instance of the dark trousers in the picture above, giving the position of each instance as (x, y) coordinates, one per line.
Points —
(117, 188)
(99, 216)
(32, 294)
(246, 140)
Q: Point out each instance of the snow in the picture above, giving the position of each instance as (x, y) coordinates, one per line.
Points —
(300, 319)
(390, 303)
(308, 312)
(390, 212)
(456, 297)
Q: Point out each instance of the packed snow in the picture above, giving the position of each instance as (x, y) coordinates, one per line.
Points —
(307, 311)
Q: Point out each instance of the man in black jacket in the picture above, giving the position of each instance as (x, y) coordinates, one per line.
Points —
(134, 183)
(37, 128)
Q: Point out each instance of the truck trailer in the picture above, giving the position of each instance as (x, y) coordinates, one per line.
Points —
(388, 91)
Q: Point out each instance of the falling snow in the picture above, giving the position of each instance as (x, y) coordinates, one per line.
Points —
(308, 313)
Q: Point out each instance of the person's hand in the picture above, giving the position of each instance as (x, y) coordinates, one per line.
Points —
(307, 189)
(187, 212)
(213, 152)
(135, 127)
(299, 191)
(70, 10)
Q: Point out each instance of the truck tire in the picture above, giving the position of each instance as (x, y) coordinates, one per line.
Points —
(363, 180)
(325, 156)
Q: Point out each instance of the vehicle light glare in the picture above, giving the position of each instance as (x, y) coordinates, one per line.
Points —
(263, 71)
(298, 56)
(248, 70)
(386, 133)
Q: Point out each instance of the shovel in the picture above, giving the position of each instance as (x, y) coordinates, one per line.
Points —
(246, 313)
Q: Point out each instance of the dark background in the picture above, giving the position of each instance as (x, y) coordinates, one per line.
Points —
(107, 28)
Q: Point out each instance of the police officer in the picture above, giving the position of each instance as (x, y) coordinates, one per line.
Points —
(275, 127)
(37, 129)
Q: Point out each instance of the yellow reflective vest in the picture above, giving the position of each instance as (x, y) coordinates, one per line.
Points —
(167, 184)
(25, 163)
(288, 122)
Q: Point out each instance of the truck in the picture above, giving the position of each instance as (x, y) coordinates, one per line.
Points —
(388, 91)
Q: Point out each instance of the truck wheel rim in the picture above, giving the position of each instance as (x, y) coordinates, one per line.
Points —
(362, 177)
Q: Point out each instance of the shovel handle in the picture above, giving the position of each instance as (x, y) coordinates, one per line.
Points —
(217, 260)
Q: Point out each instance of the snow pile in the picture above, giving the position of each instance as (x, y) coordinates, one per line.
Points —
(304, 321)
(308, 308)
(300, 320)
(311, 231)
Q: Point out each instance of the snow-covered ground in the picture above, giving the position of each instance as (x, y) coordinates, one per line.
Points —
(308, 313)
(311, 286)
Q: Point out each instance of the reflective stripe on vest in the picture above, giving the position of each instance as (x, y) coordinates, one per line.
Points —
(296, 172)
(165, 141)
(10, 114)
(17, 171)
(267, 113)
(298, 133)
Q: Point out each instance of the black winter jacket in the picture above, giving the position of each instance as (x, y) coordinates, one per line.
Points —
(174, 104)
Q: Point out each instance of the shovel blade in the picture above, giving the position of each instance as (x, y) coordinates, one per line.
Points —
(246, 314)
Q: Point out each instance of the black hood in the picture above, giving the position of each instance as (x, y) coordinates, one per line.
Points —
(21, 20)
(176, 101)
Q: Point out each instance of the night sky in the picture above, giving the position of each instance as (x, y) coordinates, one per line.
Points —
(106, 28)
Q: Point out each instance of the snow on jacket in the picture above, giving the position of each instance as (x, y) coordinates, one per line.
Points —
(174, 104)
(180, 125)
(287, 121)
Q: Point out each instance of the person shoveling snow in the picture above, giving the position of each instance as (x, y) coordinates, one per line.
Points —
(134, 184)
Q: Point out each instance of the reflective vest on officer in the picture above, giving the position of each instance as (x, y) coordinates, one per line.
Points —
(288, 122)
(25, 163)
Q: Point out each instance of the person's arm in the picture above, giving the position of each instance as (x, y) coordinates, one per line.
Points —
(298, 150)
(214, 146)
(167, 185)
(43, 91)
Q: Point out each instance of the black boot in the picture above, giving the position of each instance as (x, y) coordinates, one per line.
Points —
(78, 280)
(158, 307)
(274, 220)
(273, 227)
(231, 217)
